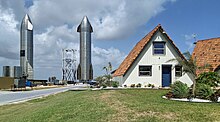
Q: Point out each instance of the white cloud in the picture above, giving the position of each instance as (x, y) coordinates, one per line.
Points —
(101, 57)
(8, 33)
(117, 18)
(55, 23)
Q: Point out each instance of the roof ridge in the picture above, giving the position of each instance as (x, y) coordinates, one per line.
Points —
(209, 39)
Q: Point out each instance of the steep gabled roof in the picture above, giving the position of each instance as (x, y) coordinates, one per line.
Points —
(207, 52)
(126, 64)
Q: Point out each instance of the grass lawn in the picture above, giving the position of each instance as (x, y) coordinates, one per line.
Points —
(109, 105)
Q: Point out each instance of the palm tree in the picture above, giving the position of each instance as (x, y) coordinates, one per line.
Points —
(107, 76)
(108, 68)
(189, 67)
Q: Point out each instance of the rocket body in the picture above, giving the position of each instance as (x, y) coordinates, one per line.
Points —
(26, 47)
(85, 70)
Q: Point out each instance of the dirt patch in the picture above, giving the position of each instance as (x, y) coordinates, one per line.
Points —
(146, 113)
(166, 116)
(169, 116)
(124, 113)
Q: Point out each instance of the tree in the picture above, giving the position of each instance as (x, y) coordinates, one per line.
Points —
(108, 68)
(189, 67)
(107, 78)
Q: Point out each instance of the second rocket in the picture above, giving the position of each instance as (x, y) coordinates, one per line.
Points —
(85, 70)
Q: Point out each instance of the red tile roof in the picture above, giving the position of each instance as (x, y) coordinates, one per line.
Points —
(126, 64)
(207, 52)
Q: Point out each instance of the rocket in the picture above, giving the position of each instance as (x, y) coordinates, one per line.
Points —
(26, 47)
(85, 70)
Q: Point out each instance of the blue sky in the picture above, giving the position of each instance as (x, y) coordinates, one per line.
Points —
(180, 20)
(118, 25)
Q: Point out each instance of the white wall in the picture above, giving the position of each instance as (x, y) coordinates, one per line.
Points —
(147, 58)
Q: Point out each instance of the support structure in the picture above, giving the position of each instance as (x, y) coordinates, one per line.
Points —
(69, 65)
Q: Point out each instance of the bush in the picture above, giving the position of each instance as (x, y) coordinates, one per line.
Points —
(138, 85)
(151, 85)
(132, 85)
(203, 91)
(218, 92)
(115, 84)
(209, 78)
(104, 85)
(179, 89)
(169, 95)
(214, 97)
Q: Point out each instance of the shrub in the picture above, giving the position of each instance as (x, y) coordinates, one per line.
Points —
(169, 95)
(132, 85)
(115, 83)
(218, 92)
(138, 85)
(104, 85)
(214, 97)
(152, 86)
(203, 91)
(190, 94)
(179, 89)
(209, 78)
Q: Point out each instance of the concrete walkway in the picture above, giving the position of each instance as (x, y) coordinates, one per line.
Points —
(9, 97)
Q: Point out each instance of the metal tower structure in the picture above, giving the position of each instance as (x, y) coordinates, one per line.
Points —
(69, 65)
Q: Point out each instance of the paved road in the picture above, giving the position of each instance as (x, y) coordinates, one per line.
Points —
(7, 97)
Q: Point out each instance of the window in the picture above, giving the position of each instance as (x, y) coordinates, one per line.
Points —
(145, 70)
(159, 48)
(22, 53)
(178, 71)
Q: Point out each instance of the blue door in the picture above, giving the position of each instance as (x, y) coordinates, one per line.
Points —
(166, 76)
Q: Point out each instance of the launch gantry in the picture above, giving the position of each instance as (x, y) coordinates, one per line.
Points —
(69, 65)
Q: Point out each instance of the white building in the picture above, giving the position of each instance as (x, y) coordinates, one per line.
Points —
(147, 63)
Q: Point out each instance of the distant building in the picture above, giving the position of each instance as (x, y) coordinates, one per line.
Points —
(147, 63)
(207, 52)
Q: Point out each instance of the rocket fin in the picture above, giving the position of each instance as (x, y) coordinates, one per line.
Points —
(90, 72)
(79, 72)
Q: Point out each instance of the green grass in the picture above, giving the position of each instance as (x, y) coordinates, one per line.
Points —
(109, 105)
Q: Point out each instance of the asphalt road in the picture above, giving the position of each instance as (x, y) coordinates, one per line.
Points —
(8, 97)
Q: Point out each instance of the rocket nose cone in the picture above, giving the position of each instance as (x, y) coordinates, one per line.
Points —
(26, 23)
(26, 18)
(85, 25)
(85, 20)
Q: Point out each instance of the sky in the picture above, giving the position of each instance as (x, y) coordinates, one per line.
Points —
(117, 24)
